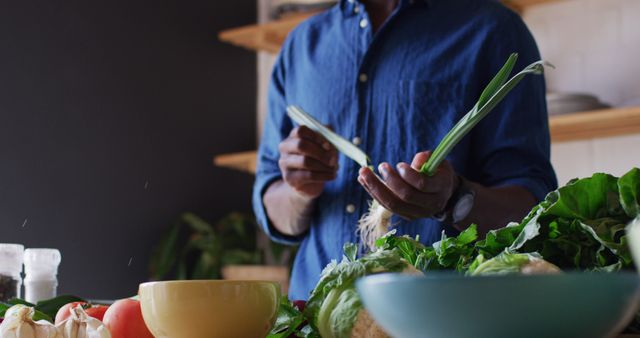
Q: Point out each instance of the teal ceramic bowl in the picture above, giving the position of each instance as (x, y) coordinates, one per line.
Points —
(447, 305)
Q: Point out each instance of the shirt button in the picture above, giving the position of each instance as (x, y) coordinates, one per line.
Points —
(356, 140)
(363, 77)
(351, 208)
(356, 9)
(364, 23)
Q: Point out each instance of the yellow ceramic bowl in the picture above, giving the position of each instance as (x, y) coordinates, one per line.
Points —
(209, 308)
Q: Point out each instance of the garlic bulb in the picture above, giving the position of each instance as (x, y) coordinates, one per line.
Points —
(81, 325)
(18, 323)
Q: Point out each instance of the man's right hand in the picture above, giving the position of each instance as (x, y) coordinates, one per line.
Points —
(307, 161)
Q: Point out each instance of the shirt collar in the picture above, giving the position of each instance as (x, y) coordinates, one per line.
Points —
(347, 6)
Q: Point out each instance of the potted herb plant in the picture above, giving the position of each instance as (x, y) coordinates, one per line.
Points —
(231, 248)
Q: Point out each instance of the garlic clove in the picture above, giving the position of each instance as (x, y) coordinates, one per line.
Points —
(70, 329)
(44, 329)
(25, 330)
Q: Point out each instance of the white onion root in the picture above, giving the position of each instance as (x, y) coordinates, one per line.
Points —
(374, 224)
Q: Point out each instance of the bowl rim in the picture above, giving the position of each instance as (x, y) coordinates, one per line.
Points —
(210, 281)
(390, 277)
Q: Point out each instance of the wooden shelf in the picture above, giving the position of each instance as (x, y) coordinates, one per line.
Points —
(564, 128)
(595, 124)
(266, 37)
(521, 5)
(243, 161)
(269, 36)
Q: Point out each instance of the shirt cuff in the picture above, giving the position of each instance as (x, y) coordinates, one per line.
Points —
(536, 187)
(263, 181)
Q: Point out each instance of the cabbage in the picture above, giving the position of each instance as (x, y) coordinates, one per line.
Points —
(509, 263)
(334, 303)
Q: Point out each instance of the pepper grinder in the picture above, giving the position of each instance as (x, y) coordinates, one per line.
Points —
(41, 274)
(10, 270)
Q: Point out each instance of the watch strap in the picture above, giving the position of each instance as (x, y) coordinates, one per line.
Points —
(454, 211)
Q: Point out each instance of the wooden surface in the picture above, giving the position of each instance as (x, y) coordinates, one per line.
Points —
(274, 273)
(244, 161)
(266, 37)
(595, 124)
(269, 36)
(521, 5)
(570, 127)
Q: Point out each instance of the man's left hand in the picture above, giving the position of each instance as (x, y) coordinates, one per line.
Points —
(408, 193)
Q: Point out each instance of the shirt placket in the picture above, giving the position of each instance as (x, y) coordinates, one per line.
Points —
(362, 32)
(356, 202)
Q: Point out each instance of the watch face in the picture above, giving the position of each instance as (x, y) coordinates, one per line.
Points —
(463, 207)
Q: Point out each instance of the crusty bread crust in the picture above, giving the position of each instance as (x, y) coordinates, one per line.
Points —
(366, 327)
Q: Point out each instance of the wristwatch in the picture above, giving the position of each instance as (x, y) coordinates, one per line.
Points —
(459, 205)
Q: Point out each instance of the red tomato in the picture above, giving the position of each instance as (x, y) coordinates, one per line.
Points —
(95, 311)
(124, 320)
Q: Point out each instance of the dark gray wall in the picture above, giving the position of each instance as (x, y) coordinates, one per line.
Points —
(99, 99)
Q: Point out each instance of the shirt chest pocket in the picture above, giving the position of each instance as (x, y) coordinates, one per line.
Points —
(428, 110)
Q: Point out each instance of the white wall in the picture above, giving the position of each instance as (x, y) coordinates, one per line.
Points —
(595, 45)
(264, 66)
(613, 155)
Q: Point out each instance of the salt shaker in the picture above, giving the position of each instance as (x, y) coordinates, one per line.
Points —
(10, 270)
(41, 274)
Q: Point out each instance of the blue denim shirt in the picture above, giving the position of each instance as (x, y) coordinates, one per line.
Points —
(399, 91)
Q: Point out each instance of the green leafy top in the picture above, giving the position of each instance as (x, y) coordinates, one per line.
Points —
(452, 253)
(290, 322)
(491, 96)
(578, 226)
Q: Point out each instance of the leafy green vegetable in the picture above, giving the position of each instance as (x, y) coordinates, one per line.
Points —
(376, 221)
(579, 226)
(195, 249)
(343, 145)
(334, 303)
(504, 263)
(491, 96)
(45, 309)
(289, 322)
(448, 253)
(629, 188)
(3, 308)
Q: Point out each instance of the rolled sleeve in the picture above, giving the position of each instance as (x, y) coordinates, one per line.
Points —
(263, 181)
(276, 127)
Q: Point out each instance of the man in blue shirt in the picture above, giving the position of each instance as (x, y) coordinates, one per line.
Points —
(394, 77)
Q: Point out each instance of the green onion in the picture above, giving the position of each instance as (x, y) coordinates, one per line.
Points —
(375, 223)
(495, 91)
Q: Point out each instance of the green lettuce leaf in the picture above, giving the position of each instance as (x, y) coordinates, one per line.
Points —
(580, 226)
(288, 321)
(586, 199)
(629, 187)
(505, 263)
(334, 303)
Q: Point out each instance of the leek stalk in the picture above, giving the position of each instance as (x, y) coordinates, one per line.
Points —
(375, 223)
